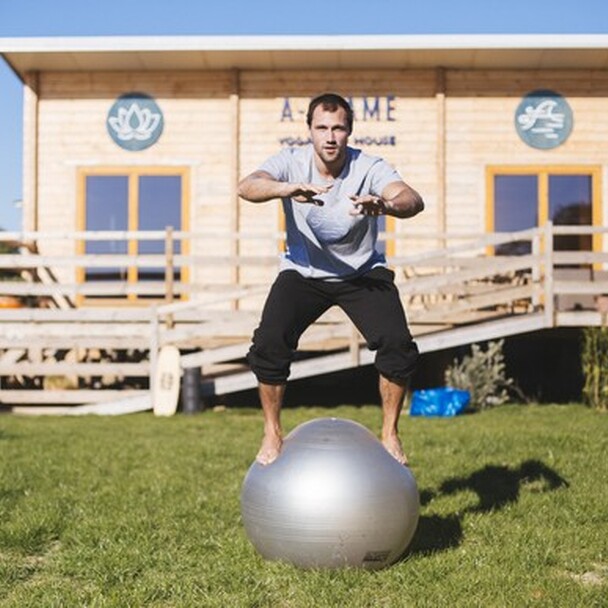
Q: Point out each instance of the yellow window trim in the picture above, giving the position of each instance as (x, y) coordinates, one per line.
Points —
(133, 173)
(543, 172)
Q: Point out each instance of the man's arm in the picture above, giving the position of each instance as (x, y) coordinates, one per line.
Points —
(398, 199)
(260, 186)
(402, 200)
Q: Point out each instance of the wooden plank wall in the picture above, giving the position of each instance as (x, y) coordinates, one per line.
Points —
(225, 123)
(197, 135)
(480, 110)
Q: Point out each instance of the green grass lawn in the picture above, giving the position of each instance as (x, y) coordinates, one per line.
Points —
(139, 511)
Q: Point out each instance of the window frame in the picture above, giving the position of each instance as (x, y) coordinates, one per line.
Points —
(133, 173)
(543, 172)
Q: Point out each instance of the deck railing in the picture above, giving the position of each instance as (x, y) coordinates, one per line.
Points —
(65, 337)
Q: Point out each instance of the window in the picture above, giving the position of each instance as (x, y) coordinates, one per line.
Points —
(132, 199)
(526, 197)
(107, 208)
(159, 206)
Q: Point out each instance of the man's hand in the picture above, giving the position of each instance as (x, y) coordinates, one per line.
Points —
(308, 193)
(398, 200)
(260, 186)
(368, 205)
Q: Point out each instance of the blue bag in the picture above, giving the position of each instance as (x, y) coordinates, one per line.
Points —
(439, 402)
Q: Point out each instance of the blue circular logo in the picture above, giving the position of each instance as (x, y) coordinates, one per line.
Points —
(543, 119)
(135, 122)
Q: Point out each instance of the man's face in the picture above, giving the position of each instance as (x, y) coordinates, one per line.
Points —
(329, 133)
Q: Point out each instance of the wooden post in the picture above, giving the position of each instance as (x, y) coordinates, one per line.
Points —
(154, 348)
(440, 157)
(169, 272)
(235, 170)
(30, 152)
(536, 272)
(355, 349)
(548, 272)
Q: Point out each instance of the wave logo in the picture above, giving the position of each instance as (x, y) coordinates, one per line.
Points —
(135, 121)
(543, 119)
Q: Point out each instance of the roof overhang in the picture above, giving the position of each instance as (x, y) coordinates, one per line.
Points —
(152, 53)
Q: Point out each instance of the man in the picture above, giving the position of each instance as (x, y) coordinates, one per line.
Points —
(332, 196)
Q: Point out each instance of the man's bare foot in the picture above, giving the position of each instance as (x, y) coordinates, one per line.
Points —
(393, 446)
(270, 449)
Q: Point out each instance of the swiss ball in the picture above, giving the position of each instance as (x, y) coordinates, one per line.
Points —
(333, 498)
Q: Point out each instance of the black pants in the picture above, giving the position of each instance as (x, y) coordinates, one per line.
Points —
(371, 301)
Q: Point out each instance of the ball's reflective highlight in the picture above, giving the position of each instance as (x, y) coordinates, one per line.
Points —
(334, 498)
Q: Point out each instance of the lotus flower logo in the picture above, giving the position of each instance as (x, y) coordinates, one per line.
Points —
(135, 122)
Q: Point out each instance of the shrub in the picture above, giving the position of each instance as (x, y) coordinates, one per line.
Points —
(483, 374)
(594, 360)
(9, 247)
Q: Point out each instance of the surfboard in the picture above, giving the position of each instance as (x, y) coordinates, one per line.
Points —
(166, 381)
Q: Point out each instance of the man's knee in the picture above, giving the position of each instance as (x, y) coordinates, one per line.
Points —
(269, 358)
(397, 358)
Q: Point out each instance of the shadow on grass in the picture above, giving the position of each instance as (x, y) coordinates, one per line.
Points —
(495, 486)
(436, 533)
(5, 436)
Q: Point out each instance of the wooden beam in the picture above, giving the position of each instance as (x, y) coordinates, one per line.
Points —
(64, 368)
(235, 171)
(31, 397)
(339, 361)
(63, 341)
(440, 160)
(30, 150)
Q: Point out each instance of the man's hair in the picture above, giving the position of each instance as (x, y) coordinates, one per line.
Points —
(330, 102)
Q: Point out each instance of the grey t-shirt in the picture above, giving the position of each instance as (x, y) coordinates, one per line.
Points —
(327, 242)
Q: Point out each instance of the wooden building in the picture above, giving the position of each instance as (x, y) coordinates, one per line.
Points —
(445, 110)
(128, 135)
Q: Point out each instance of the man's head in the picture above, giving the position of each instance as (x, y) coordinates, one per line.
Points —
(330, 102)
(330, 120)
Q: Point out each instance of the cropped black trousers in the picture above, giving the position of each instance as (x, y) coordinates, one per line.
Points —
(371, 301)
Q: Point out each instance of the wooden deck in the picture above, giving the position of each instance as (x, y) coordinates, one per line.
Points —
(60, 349)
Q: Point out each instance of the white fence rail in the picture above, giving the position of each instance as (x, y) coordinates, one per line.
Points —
(79, 340)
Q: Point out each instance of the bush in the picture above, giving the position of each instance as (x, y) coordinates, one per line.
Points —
(8, 247)
(594, 360)
(483, 374)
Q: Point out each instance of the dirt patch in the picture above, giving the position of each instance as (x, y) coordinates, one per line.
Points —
(592, 578)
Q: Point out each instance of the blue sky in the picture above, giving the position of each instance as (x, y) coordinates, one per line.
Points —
(41, 18)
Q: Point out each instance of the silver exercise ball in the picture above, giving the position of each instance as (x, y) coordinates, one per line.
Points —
(333, 498)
